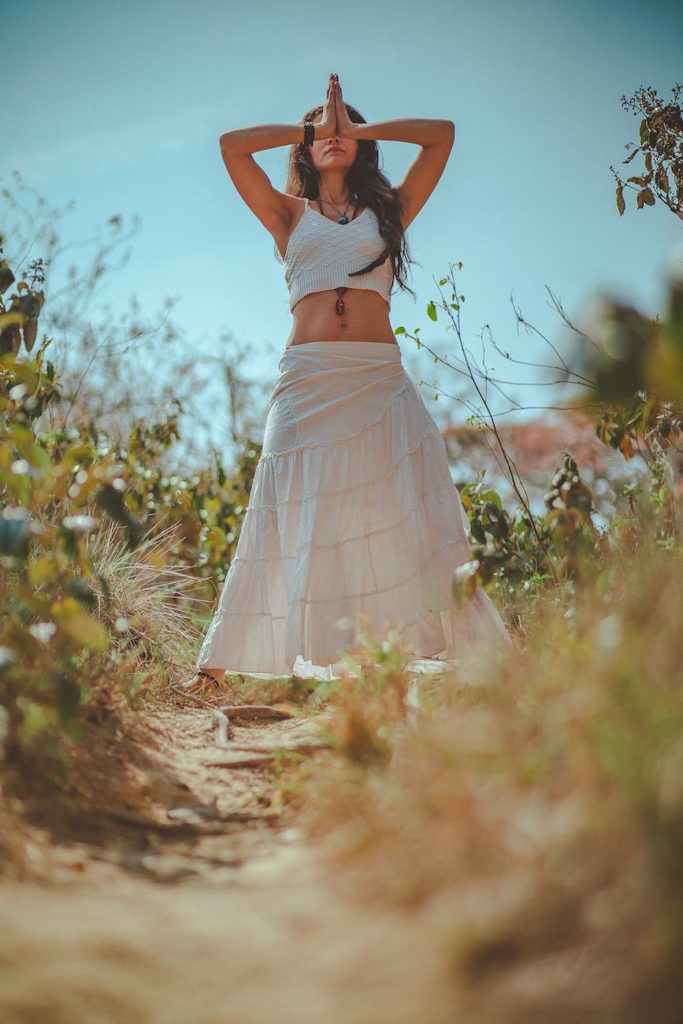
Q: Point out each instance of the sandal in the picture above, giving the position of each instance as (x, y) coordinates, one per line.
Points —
(196, 683)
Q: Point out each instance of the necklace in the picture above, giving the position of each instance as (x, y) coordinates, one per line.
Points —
(343, 218)
(339, 306)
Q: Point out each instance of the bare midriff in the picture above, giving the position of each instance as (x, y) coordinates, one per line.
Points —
(316, 316)
(365, 318)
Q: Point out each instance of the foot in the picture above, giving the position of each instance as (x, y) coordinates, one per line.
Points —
(201, 682)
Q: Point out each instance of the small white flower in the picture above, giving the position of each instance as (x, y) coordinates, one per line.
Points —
(79, 524)
(43, 631)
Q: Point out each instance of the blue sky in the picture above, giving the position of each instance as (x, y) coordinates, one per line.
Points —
(120, 106)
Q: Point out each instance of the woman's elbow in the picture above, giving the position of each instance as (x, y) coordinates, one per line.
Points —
(227, 139)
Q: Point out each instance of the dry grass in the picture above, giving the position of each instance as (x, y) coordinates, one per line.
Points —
(535, 813)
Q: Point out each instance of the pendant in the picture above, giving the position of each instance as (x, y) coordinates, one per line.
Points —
(343, 219)
(339, 304)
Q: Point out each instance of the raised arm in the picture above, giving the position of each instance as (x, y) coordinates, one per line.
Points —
(436, 138)
(272, 207)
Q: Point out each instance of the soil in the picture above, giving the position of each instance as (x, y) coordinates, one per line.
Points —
(166, 881)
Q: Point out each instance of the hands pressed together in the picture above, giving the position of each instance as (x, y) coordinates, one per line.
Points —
(335, 121)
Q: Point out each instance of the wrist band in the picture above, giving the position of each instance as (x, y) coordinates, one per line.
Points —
(309, 133)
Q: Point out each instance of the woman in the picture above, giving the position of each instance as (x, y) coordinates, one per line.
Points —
(353, 518)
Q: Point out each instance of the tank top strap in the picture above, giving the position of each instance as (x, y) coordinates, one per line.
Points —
(276, 251)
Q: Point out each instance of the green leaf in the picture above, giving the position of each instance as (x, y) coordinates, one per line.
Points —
(82, 591)
(86, 630)
(400, 330)
(494, 497)
(444, 280)
(68, 697)
(15, 532)
(431, 311)
(6, 276)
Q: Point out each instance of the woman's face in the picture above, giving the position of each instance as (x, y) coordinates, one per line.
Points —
(333, 153)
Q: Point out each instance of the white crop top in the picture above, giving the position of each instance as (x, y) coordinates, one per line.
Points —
(321, 253)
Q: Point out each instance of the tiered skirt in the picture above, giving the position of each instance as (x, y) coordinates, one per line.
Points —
(353, 522)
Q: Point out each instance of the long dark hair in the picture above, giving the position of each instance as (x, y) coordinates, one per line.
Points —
(370, 187)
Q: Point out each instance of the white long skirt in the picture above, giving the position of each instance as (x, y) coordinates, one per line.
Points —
(353, 522)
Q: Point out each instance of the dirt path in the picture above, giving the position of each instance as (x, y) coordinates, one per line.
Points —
(205, 905)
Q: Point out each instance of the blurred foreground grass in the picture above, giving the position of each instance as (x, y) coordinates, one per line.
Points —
(533, 809)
